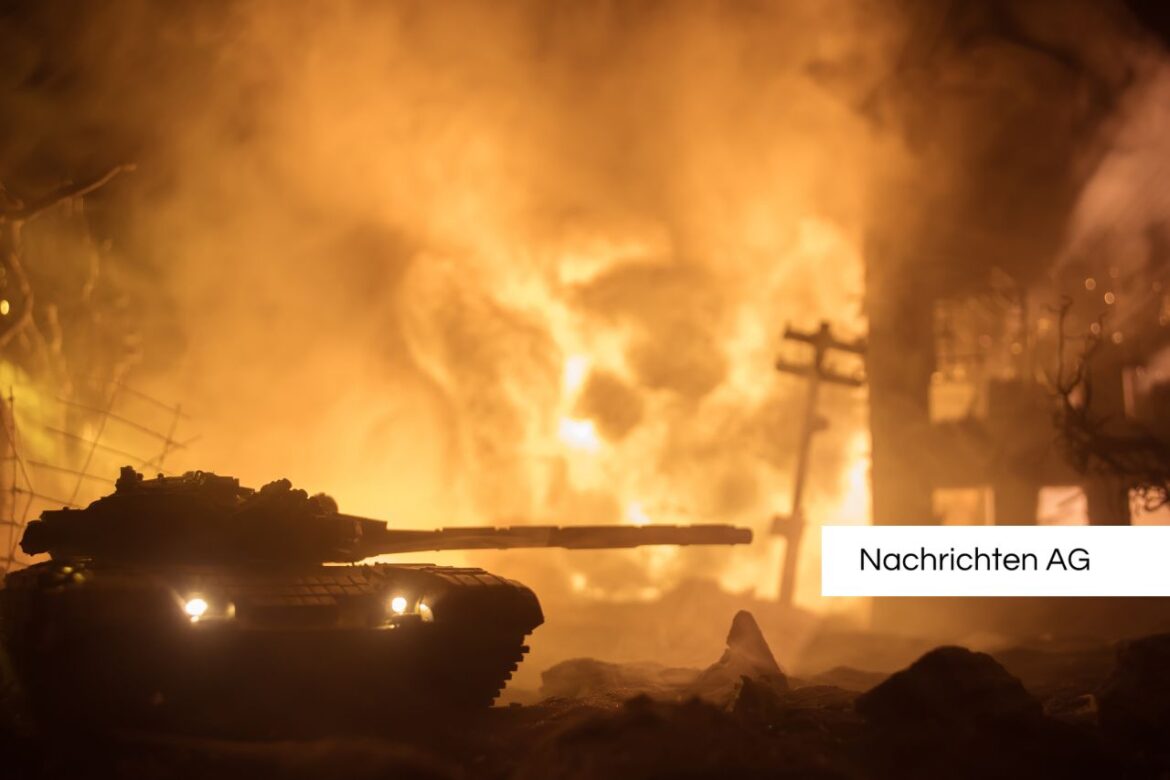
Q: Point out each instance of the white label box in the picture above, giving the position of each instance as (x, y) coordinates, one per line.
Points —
(989, 560)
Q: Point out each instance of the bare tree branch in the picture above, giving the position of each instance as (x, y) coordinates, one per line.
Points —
(1102, 445)
(66, 192)
(10, 258)
(13, 219)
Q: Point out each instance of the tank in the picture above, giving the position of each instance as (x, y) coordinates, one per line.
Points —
(192, 600)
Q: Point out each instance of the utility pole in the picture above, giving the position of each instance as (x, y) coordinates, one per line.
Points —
(791, 526)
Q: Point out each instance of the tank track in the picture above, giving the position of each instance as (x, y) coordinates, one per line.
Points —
(88, 639)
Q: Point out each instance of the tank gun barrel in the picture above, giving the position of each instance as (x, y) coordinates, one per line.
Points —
(201, 518)
(377, 539)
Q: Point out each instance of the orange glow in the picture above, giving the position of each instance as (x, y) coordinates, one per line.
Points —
(195, 608)
(473, 286)
(635, 515)
(579, 434)
(575, 373)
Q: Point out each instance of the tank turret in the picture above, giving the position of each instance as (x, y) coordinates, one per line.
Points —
(201, 518)
(192, 599)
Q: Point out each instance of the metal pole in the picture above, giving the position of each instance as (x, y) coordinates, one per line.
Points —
(796, 518)
(791, 527)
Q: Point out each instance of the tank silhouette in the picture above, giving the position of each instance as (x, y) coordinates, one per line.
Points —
(192, 599)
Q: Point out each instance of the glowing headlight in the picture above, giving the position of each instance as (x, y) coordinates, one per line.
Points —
(195, 608)
(405, 607)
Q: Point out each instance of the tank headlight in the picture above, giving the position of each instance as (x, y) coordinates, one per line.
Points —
(402, 608)
(195, 608)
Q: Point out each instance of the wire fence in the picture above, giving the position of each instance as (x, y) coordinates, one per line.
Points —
(62, 452)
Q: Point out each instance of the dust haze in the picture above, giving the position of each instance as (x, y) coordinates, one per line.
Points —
(511, 262)
(482, 263)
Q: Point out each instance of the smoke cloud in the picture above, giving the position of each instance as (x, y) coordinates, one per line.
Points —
(483, 262)
(493, 262)
(515, 262)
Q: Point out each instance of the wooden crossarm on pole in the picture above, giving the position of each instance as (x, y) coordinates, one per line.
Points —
(791, 526)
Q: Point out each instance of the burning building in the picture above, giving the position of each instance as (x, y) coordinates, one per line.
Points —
(530, 262)
(1014, 254)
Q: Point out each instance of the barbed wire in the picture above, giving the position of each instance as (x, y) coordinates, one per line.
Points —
(26, 487)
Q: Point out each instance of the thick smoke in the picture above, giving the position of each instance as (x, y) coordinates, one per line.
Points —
(483, 262)
(1122, 214)
(489, 262)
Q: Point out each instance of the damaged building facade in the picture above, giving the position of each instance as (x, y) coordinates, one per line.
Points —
(1002, 283)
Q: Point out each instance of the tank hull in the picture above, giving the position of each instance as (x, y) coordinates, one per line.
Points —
(271, 650)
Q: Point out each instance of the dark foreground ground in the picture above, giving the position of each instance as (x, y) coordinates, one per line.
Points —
(1097, 711)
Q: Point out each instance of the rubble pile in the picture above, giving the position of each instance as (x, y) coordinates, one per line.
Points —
(951, 687)
(747, 660)
(951, 713)
(1134, 702)
(960, 713)
(747, 657)
(603, 683)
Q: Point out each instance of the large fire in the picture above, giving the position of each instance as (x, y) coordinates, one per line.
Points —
(485, 264)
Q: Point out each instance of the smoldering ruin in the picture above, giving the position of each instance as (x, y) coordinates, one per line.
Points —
(531, 263)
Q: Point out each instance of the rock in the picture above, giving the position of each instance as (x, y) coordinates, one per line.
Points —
(747, 656)
(757, 701)
(957, 713)
(606, 684)
(848, 678)
(1134, 702)
(1079, 710)
(949, 686)
(609, 683)
(1059, 669)
(821, 697)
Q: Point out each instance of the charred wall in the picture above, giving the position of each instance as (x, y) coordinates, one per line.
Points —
(1010, 106)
